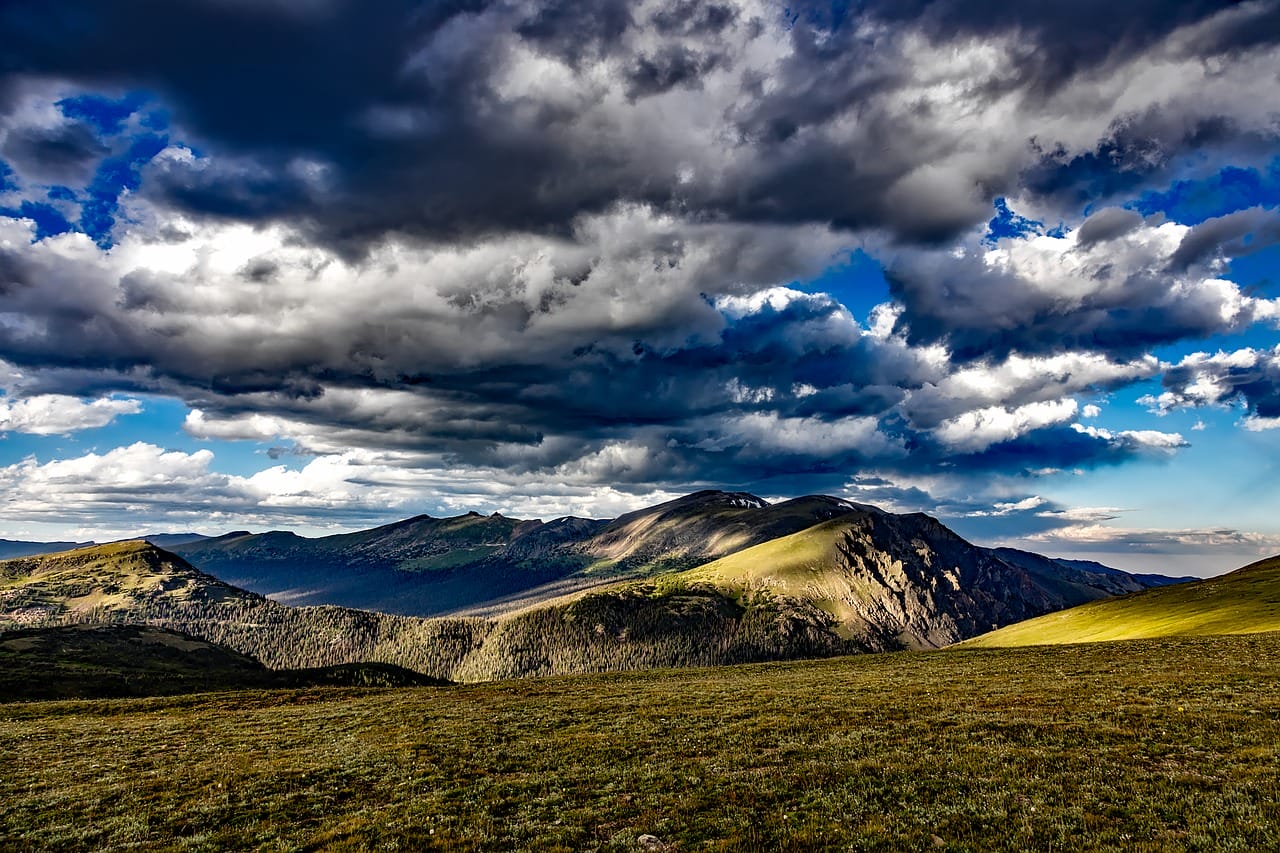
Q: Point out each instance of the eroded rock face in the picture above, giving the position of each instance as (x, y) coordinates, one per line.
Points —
(912, 583)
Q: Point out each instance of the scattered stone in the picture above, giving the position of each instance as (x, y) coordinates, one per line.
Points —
(650, 842)
(937, 841)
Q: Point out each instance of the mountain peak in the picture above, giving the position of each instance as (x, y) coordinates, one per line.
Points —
(718, 497)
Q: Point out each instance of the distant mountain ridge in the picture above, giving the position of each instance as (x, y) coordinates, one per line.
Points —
(10, 548)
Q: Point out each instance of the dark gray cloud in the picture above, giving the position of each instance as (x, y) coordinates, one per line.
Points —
(1107, 224)
(455, 119)
(1229, 236)
(67, 154)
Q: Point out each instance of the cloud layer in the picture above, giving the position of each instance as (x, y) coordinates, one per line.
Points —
(570, 250)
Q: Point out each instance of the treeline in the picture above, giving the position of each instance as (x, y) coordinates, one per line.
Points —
(637, 627)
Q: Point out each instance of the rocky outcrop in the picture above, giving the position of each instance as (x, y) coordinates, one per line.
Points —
(912, 583)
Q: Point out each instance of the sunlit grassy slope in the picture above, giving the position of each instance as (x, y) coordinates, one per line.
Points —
(799, 564)
(99, 578)
(1245, 601)
(1154, 745)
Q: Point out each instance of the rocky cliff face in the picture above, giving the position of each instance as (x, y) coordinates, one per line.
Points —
(905, 581)
(912, 583)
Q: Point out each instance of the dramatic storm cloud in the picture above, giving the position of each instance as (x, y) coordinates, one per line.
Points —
(317, 263)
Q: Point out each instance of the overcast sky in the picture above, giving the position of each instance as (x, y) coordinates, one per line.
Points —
(318, 265)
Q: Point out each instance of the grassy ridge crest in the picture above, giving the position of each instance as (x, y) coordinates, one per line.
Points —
(1245, 601)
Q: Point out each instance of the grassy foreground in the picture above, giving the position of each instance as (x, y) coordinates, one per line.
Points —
(1149, 745)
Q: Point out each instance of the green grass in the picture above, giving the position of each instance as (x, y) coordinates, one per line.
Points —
(1150, 745)
(1241, 602)
(788, 560)
(802, 565)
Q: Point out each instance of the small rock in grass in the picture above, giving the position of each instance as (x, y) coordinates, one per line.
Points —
(650, 842)
(937, 841)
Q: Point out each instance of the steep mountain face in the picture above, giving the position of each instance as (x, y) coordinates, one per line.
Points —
(1246, 601)
(904, 581)
(916, 584)
(696, 528)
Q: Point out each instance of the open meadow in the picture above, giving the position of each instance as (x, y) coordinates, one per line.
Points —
(1144, 745)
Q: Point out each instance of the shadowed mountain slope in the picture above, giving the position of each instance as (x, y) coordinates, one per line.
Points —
(104, 661)
(419, 566)
(492, 564)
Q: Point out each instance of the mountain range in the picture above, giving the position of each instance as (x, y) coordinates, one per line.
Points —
(713, 577)
(491, 565)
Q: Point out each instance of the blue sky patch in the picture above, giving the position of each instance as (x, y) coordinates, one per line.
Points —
(1193, 201)
(105, 114)
(48, 219)
(114, 175)
(1006, 223)
(858, 284)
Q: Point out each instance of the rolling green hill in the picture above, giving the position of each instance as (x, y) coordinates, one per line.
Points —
(1245, 601)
